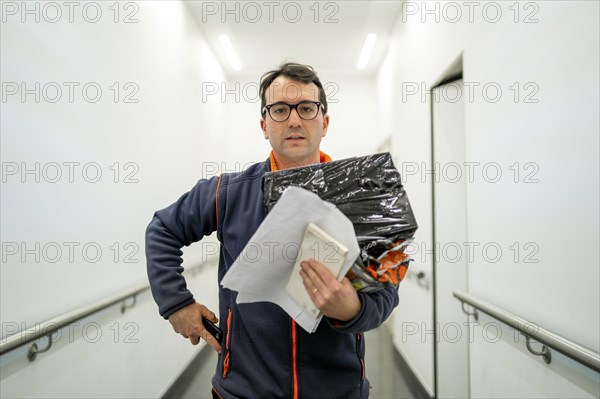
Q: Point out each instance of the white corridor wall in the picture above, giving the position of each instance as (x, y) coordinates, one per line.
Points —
(532, 198)
(103, 122)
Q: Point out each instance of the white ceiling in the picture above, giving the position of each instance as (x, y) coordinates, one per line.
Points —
(268, 33)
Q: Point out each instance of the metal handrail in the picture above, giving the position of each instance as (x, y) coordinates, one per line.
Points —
(47, 328)
(569, 348)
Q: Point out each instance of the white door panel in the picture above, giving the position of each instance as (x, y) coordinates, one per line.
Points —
(450, 235)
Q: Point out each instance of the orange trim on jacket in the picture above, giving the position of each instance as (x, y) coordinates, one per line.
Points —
(274, 168)
(227, 358)
(294, 360)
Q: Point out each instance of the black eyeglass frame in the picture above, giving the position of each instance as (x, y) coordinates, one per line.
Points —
(267, 109)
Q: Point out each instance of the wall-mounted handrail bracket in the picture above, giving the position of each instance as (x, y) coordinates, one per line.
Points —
(545, 353)
(124, 306)
(421, 278)
(33, 349)
(473, 313)
(422, 281)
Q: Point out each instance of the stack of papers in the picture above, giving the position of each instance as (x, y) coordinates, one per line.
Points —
(276, 247)
(319, 245)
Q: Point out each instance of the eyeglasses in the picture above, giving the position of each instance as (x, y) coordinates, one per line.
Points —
(281, 111)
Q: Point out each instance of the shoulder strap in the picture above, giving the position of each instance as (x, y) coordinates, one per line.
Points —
(217, 200)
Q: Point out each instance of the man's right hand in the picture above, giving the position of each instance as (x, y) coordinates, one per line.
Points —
(188, 322)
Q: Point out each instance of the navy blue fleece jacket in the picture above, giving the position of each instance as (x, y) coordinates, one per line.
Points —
(264, 355)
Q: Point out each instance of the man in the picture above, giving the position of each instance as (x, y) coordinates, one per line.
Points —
(264, 354)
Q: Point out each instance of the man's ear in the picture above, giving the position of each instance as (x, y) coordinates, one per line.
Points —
(325, 125)
(263, 126)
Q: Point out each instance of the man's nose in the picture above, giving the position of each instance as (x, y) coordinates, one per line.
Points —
(294, 119)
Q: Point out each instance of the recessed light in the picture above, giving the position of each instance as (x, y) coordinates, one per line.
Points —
(365, 53)
(230, 52)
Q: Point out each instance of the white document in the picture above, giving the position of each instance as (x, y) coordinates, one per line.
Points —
(319, 245)
(262, 270)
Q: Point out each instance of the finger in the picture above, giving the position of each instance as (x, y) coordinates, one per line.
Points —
(311, 289)
(324, 281)
(213, 342)
(194, 340)
(323, 272)
(313, 285)
(210, 316)
(312, 274)
(308, 283)
(209, 339)
(207, 314)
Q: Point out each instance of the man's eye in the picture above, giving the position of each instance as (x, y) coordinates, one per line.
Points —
(279, 110)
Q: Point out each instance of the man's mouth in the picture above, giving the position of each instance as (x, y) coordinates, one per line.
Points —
(295, 137)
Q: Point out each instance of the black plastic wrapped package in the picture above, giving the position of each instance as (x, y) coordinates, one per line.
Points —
(368, 190)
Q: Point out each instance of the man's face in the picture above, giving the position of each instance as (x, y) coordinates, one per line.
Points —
(295, 141)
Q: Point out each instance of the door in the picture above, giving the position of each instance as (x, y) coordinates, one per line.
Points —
(450, 238)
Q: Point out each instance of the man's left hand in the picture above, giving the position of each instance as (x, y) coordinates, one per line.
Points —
(336, 299)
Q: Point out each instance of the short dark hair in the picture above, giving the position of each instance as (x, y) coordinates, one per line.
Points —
(294, 71)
